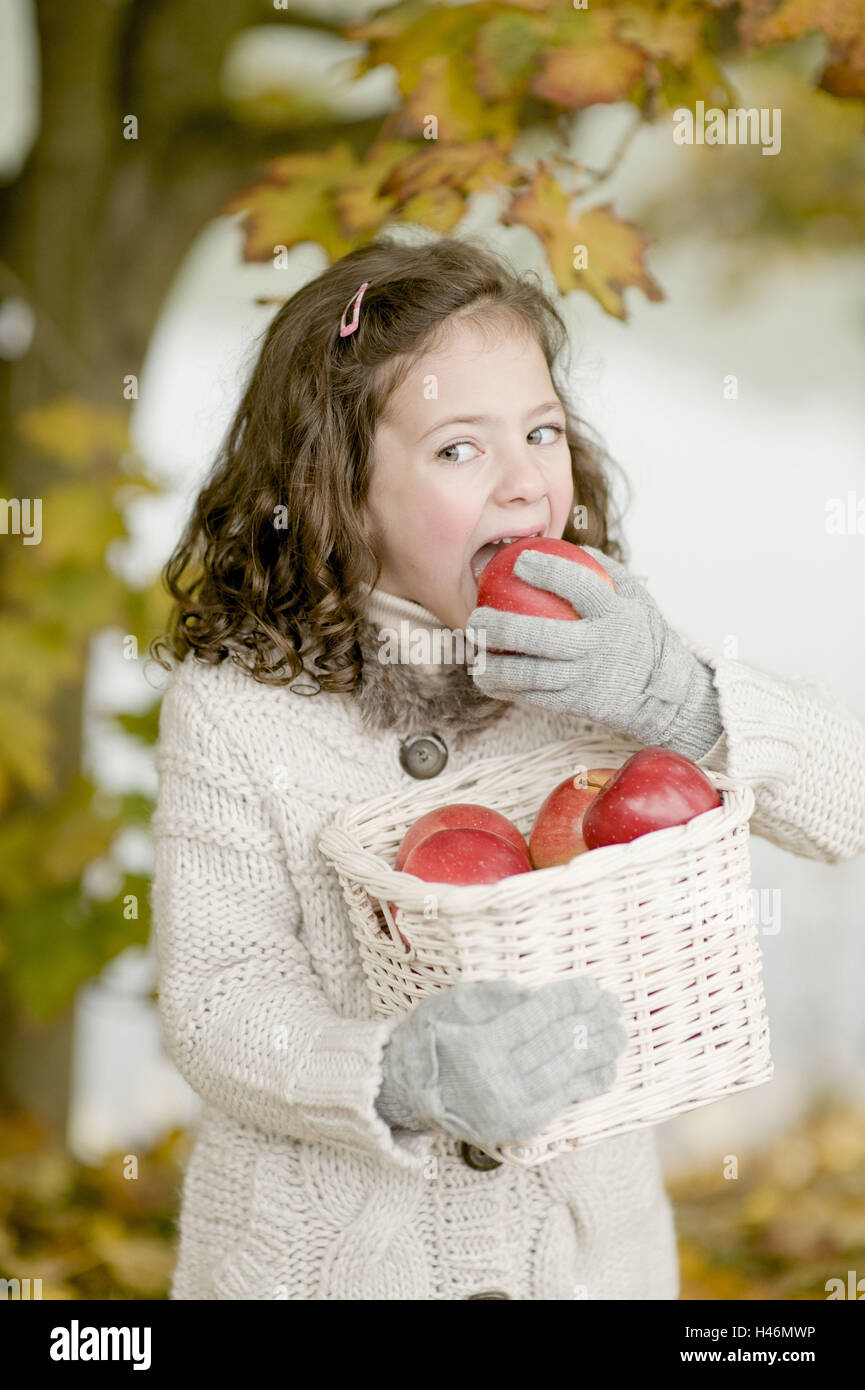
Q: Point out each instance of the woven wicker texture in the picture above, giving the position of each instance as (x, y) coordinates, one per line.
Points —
(666, 922)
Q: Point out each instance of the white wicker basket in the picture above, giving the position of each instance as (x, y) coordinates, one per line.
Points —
(666, 922)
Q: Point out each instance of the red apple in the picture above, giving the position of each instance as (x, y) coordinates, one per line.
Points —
(468, 815)
(463, 856)
(499, 587)
(557, 834)
(654, 789)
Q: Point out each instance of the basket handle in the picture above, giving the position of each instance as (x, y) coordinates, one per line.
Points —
(731, 784)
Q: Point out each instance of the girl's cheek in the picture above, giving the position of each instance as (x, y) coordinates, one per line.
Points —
(446, 525)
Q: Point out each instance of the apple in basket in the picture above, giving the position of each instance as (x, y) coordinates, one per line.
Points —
(461, 855)
(557, 833)
(462, 815)
(654, 789)
(459, 815)
(499, 587)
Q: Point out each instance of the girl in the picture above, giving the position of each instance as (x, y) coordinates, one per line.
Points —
(404, 414)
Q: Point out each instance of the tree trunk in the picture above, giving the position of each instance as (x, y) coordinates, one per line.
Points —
(91, 235)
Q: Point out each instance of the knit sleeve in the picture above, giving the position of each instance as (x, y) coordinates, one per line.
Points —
(243, 1015)
(801, 750)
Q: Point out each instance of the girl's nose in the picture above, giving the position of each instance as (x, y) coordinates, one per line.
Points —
(520, 479)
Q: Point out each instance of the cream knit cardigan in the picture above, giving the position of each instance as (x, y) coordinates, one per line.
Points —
(296, 1188)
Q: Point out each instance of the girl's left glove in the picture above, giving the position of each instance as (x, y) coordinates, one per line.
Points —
(621, 665)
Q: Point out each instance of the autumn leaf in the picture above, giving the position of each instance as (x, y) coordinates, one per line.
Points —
(296, 202)
(587, 63)
(673, 32)
(842, 22)
(77, 433)
(431, 186)
(408, 35)
(440, 209)
(445, 90)
(26, 745)
(505, 56)
(613, 248)
(42, 656)
(365, 198)
(141, 1263)
(469, 167)
(79, 598)
(700, 80)
(76, 833)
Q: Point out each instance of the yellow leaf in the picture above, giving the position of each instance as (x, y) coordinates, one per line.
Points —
(843, 23)
(583, 75)
(761, 1204)
(74, 844)
(505, 56)
(586, 62)
(445, 88)
(363, 202)
(77, 524)
(839, 1136)
(440, 209)
(296, 203)
(674, 32)
(614, 248)
(462, 167)
(140, 1262)
(79, 600)
(408, 35)
(77, 432)
(43, 657)
(26, 745)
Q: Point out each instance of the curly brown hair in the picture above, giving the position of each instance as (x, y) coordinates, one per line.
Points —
(277, 545)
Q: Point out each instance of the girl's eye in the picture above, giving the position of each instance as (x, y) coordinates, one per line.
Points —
(460, 442)
(558, 429)
(458, 445)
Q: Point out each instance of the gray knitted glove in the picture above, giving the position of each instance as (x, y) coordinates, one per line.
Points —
(622, 666)
(492, 1061)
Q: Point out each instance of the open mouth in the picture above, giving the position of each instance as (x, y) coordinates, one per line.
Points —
(482, 557)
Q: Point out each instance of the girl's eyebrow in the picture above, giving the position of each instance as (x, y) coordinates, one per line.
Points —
(484, 419)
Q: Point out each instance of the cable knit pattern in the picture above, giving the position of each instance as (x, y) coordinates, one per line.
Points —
(296, 1188)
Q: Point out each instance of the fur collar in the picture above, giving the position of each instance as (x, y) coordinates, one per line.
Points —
(396, 696)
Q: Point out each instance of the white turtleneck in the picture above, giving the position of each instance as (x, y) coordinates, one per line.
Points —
(412, 628)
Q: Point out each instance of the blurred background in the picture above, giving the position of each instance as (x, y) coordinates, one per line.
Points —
(168, 176)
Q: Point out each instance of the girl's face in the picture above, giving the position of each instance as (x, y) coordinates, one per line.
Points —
(472, 448)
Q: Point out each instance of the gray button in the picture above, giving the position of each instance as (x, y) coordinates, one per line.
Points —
(474, 1157)
(489, 1293)
(423, 755)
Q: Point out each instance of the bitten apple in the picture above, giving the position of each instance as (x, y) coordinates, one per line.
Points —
(467, 815)
(557, 833)
(654, 789)
(499, 587)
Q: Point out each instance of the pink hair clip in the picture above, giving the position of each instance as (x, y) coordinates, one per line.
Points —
(344, 329)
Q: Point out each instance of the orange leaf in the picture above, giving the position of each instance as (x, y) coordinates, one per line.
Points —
(613, 248)
(843, 23)
(465, 168)
(295, 203)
